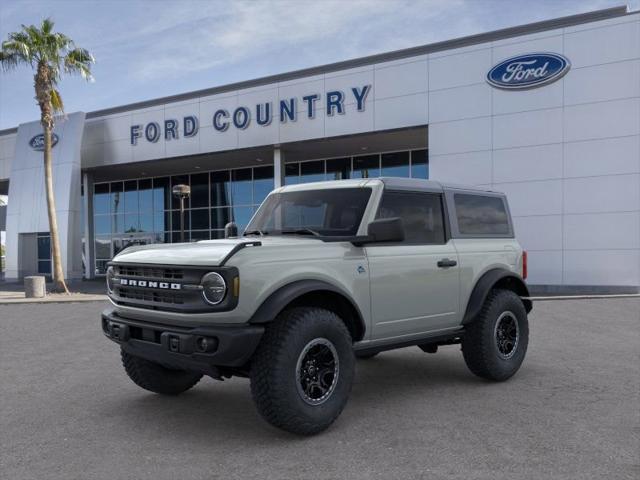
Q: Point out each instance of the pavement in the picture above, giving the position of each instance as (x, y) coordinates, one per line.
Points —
(68, 411)
(80, 291)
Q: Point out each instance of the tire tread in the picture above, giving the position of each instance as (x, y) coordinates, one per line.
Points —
(155, 378)
(477, 344)
(267, 392)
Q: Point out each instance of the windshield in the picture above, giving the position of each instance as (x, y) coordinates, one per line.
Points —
(330, 212)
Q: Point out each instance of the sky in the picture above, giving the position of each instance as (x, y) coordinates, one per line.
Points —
(150, 49)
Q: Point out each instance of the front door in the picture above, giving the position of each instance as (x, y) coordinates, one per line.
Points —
(414, 283)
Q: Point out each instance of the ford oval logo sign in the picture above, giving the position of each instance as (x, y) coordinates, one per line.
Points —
(528, 71)
(37, 142)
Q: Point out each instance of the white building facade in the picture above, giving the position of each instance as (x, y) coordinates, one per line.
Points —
(548, 113)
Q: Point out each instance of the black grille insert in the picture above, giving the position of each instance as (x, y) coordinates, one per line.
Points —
(150, 272)
(151, 296)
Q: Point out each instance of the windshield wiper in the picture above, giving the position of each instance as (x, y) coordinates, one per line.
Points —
(255, 232)
(301, 231)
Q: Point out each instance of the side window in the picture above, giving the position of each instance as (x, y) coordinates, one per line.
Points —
(481, 215)
(421, 215)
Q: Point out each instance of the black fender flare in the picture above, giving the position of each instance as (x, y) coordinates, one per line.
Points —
(495, 277)
(282, 297)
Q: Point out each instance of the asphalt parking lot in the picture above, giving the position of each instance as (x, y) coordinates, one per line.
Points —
(68, 411)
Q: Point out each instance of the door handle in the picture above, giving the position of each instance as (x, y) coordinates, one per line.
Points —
(446, 263)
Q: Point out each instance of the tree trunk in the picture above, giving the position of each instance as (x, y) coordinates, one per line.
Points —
(59, 284)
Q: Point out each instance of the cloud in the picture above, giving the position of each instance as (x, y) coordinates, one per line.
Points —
(192, 37)
(147, 49)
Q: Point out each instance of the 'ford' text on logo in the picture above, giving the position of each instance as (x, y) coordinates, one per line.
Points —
(37, 142)
(528, 71)
(150, 284)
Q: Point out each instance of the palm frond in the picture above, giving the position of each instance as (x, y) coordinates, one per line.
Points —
(9, 61)
(18, 46)
(56, 101)
(79, 61)
(47, 25)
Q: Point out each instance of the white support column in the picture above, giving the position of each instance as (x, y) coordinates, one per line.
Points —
(278, 167)
(89, 254)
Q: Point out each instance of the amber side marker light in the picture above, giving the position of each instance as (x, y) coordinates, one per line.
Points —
(236, 286)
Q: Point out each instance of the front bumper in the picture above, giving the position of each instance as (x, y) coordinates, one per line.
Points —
(199, 349)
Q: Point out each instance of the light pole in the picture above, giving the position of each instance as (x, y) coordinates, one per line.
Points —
(182, 192)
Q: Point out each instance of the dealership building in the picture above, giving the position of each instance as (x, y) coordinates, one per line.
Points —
(548, 113)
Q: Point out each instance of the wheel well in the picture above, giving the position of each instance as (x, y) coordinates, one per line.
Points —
(515, 285)
(496, 278)
(336, 303)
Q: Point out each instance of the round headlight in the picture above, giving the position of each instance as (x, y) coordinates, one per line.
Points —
(110, 274)
(214, 288)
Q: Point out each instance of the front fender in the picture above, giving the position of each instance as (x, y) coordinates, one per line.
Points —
(282, 297)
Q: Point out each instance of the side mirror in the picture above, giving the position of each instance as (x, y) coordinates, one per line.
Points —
(386, 230)
(230, 230)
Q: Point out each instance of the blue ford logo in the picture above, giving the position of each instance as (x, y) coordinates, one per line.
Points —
(528, 71)
(37, 142)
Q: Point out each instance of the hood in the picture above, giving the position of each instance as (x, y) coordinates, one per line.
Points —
(204, 253)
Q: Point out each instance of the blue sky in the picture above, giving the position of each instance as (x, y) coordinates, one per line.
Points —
(149, 49)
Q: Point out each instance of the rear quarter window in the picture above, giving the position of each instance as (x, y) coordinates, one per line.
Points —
(480, 215)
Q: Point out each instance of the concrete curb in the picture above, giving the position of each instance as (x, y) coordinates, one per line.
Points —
(55, 299)
(581, 297)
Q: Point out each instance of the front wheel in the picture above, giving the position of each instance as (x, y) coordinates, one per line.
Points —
(302, 372)
(157, 378)
(495, 343)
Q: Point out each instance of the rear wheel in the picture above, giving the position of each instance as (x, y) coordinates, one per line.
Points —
(302, 372)
(157, 378)
(495, 343)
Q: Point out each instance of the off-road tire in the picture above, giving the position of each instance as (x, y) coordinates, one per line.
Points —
(480, 345)
(275, 378)
(156, 378)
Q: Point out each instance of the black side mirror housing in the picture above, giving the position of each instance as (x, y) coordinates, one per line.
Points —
(230, 230)
(385, 230)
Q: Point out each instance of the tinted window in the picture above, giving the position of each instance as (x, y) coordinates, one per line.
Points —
(101, 198)
(312, 172)
(421, 215)
(220, 189)
(481, 215)
(262, 183)
(241, 186)
(200, 190)
(338, 168)
(329, 212)
(420, 164)
(395, 164)
(366, 167)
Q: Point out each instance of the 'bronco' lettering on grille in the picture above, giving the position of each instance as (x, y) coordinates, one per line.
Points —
(148, 284)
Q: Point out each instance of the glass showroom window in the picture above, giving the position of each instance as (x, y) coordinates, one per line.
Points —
(408, 164)
(138, 212)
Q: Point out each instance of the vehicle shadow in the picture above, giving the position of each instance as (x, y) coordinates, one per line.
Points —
(224, 411)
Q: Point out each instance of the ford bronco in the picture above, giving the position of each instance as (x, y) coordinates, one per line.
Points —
(323, 274)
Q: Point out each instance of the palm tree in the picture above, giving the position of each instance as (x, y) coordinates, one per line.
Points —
(50, 55)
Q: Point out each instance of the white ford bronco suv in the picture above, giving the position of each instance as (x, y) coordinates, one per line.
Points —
(323, 274)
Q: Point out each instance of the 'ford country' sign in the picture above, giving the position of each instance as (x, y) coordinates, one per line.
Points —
(37, 142)
(528, 71)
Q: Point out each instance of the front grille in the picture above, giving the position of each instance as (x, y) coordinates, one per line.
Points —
(167, 288)
(150, 272)
(156, 297)
(151, 295)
